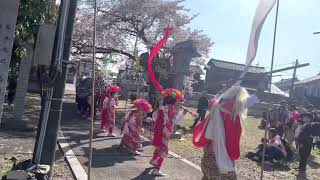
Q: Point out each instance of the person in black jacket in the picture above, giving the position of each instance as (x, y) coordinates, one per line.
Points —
(305, 140)
(12, 86)
(202, 108)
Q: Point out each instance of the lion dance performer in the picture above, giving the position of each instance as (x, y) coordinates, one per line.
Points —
(132, 126)
(163, 128)
(222, 131)
(108, 110)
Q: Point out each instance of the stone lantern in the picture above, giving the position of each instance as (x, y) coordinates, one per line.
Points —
(183, 53)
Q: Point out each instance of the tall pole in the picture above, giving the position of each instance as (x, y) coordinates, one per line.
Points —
(125, 107)
(55, 112)
(293, 78)
(93, 87)
(270, 82)
(47, 94)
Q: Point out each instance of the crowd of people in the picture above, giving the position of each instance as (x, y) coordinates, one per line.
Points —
(288, 125)
(218, 132)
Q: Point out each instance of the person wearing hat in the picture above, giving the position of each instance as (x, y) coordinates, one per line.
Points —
(132, 126)
(108, 110)
(163, 128)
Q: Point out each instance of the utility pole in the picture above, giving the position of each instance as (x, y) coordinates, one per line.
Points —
(93, 86)
(293, 78)
(53, 124)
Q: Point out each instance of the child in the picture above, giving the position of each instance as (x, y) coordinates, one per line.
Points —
(132, 126)
(108, 110)
(163, 128)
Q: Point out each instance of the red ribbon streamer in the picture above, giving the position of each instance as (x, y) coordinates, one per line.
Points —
(153, 53)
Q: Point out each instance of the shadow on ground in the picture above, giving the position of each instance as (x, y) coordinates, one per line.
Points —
(108, 156)
(145, 175)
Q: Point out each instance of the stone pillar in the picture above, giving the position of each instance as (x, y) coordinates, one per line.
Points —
(22, 83)
(8, 19)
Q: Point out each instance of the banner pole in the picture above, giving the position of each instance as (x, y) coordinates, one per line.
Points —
(269, 99)
(93, 88)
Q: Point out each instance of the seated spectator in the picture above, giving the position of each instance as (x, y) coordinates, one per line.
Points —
(275, 149)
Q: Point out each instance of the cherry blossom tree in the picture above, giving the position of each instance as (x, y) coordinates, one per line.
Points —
(120, 22)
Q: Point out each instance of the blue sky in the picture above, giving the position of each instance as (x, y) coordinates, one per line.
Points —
(228, 24)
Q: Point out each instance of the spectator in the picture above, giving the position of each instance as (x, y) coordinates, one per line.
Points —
(263, 121)
(275, 149)
(278, 118)
(202, 108)
(310, 108)
(305, 118)
(305, 138)
(291, 124)
(11, 91)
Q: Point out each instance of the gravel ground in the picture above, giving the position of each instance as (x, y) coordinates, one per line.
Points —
(60, 168)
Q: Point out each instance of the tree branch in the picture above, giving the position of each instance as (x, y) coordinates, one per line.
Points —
(88, 49)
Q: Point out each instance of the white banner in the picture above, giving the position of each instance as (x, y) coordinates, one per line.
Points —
(262, 11)
(8, 18)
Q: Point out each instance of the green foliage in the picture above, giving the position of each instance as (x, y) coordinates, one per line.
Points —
(31, 14)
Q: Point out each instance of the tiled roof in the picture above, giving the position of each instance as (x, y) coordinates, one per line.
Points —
(196, 69)
(235, 66)
(276, 90)
(285, 81)
(310, 79)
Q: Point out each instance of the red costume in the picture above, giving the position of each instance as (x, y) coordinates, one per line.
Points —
(108, 109)
(163, 128)
(108, 114)
(232, 126)
(132, 126)
(223, 129)
(132, 129)
(162, 131)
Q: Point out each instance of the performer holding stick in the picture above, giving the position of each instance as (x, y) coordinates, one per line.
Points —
(132, 126)
(163, 128)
